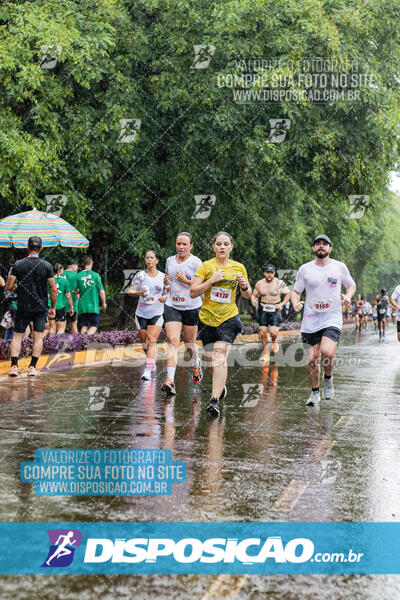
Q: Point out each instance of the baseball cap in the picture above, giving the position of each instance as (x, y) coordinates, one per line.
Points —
(35, 242)
(269, 267)
(322, 237)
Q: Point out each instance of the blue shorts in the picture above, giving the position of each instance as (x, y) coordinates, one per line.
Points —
(88, 320)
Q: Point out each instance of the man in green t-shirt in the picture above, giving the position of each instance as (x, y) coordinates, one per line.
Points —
(90, 290)
(71, 274)
(64, 301)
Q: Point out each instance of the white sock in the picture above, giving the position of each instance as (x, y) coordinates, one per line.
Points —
(171, 372)
(196, 362)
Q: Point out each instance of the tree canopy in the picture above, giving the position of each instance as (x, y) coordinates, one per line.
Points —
(129, 110)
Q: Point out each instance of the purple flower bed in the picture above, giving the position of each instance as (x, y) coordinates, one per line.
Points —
(71, 342)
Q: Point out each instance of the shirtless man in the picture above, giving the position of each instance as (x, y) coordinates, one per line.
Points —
(270, 289)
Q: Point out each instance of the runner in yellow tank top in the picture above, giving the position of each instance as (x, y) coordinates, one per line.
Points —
(218, 279)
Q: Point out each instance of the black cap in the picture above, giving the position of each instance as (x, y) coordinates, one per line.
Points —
(72, 261)
(322, 237)
(383, 291)
(35, 242)
(269, 267)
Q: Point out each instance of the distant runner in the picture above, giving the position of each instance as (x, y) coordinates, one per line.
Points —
(382, 303)
(31, 274)
(375, 315)
(181, 310)
(270, 290)
(321, 326)
(395, 302)
(91, 290)
(366, 313)
(219, 279)
(71, 274)
(149, 287)
(359, 306)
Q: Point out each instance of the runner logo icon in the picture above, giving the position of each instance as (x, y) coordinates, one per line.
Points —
(63, 543)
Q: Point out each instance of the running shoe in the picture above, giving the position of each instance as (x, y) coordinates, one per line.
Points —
(275, 347)
(265, 356)
(146, 375)
(13, 372)
(197, 374)
(313, 399)
(32, 372)
(223, 394)
(213, 408)
(168, 386)
(329, 390)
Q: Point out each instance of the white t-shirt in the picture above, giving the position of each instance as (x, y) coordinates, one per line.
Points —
(323, 304)
(179, 294)
(396, 298)
(148, 306)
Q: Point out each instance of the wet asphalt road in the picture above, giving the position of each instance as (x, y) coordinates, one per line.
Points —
(268, 458)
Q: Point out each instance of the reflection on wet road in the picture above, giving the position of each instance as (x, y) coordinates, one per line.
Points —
(268, 458)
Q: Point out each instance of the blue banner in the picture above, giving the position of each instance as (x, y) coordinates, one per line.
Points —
(164, 548)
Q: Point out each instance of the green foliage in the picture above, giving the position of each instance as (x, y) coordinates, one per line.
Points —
(60, 127)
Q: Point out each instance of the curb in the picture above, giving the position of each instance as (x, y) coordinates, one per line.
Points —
(97, 356)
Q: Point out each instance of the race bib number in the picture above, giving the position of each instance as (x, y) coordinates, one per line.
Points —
(322, 305)
(180, 298)
(269, 308)
(382, 311)
(219, 294)
(149, 299)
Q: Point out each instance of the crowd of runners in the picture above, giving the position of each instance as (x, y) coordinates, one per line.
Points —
(196, 300)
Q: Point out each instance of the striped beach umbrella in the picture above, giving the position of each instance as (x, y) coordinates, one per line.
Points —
(15, 230)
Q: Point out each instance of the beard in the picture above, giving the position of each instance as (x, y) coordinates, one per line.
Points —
(321, 253)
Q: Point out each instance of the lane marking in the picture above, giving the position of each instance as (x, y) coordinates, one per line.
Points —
(225, 586)
(289, 498)
(323, 448)
(343, 421)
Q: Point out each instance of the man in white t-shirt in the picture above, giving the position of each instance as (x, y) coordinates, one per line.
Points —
(322, 279)
(395, 301)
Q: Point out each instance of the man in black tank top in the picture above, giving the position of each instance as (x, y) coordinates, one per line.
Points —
(382, 302)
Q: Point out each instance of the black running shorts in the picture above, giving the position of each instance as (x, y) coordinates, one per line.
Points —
(333, 333)
(186, 317)
(268, 319)
(226, 332)
(143, 323)
(60, 317)
(22, 320)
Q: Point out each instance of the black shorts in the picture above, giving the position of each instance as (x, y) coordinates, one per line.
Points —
(333, 333)
(267, 319)
(73, 318)
(398, 326)
(226, 332)
(186, 317)
(22, 320)
(60, 315)
(381, 317)
(88, 320)
(143, 323)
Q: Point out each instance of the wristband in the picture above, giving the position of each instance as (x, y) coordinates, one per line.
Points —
(245, 289)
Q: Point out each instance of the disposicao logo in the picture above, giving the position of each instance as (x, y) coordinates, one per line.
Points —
(190, 550)
(62, 547)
